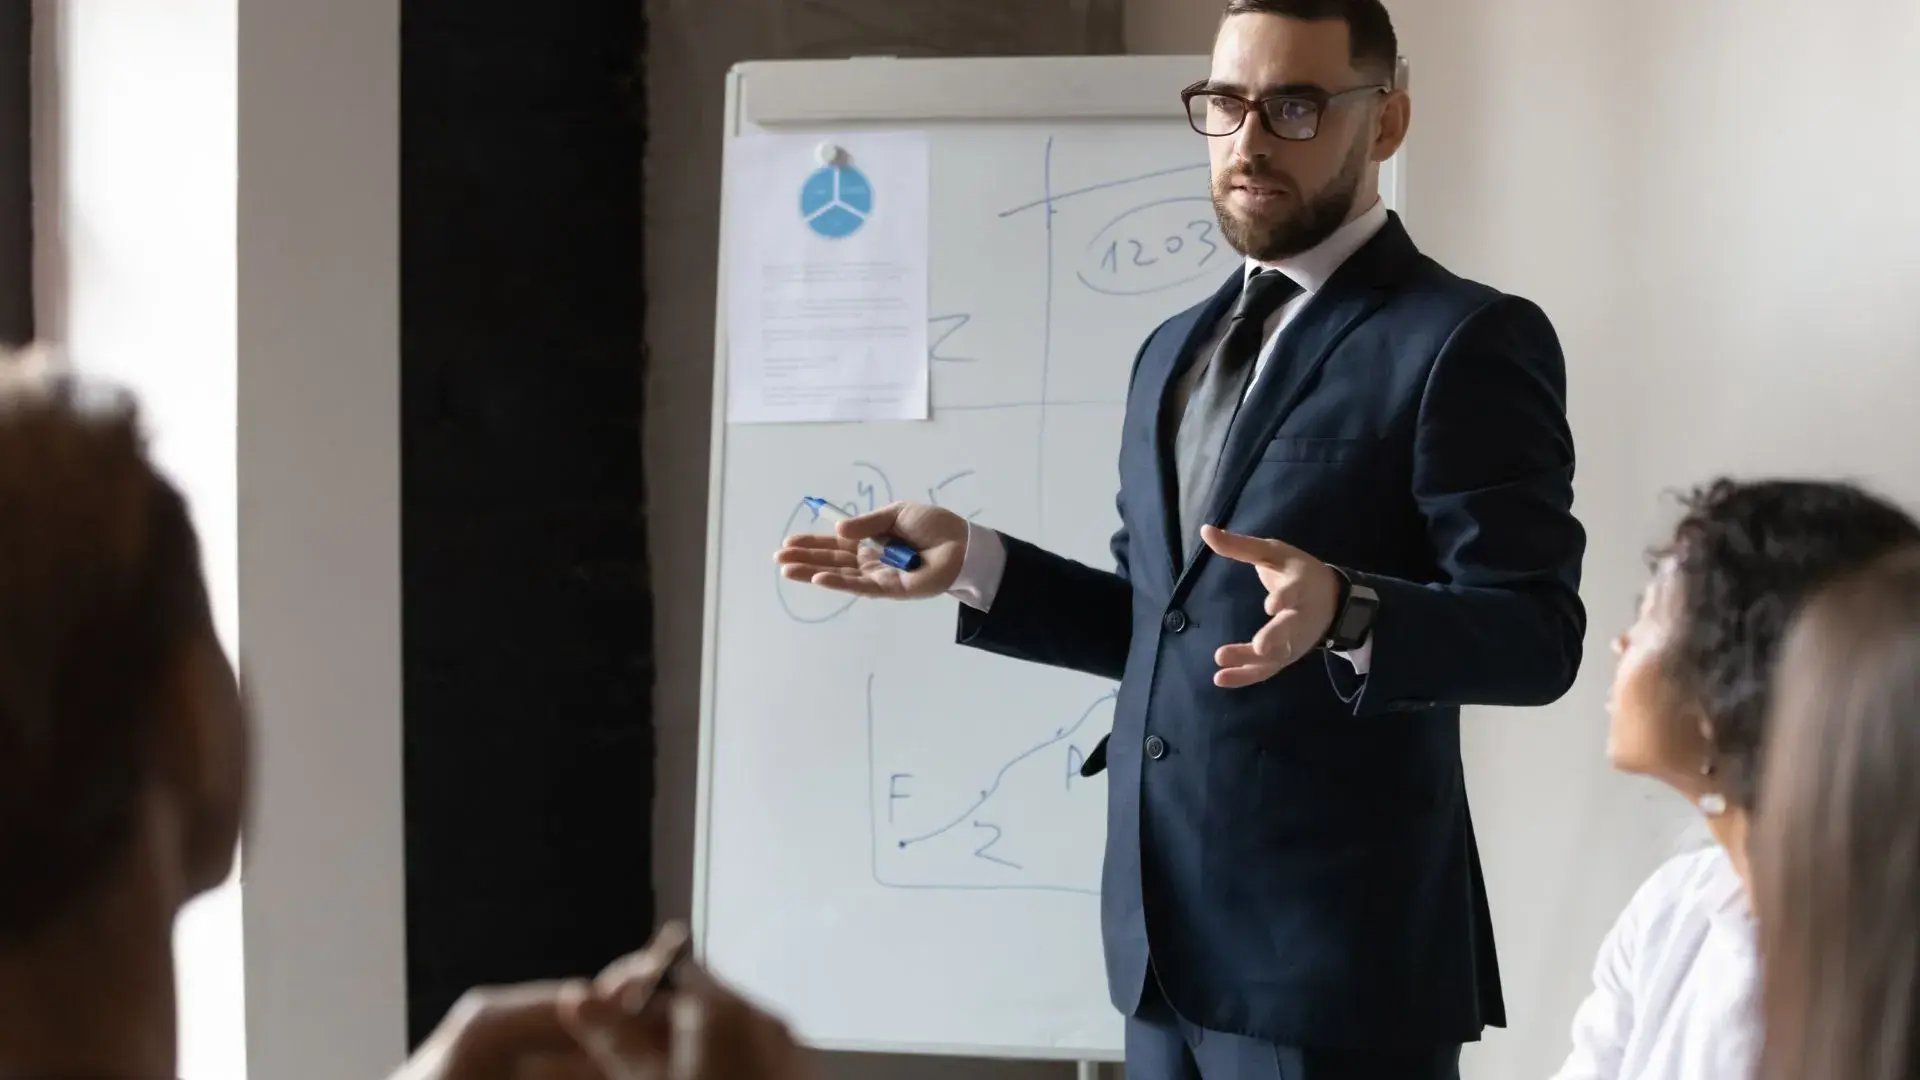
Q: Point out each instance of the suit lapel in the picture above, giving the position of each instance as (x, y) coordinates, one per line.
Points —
(1355, 291)
(1176, 348)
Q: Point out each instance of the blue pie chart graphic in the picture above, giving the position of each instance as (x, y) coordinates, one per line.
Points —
(836, 201)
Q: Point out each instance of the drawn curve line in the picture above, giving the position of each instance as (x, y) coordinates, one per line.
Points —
(875, 497)
(1195, 276)
(780, 582)
(873, 835)
(1059, 737)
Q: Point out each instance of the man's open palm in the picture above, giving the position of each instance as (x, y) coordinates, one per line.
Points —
(842, 563)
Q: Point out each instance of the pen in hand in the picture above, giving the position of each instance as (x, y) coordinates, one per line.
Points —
(647, 974)
(892, 552)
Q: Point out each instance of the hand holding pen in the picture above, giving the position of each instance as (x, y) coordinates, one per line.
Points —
(867, 555)
(658, 1015)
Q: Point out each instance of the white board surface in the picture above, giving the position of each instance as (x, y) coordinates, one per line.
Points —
(895, 851)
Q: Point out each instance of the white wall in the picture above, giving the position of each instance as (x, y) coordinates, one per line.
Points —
(217, 205)
(134, 178)
(1716, 203)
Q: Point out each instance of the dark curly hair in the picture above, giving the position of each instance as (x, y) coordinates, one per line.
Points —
(1745, 556)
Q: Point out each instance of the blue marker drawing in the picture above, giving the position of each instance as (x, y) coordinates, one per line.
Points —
(1059, 736)
(951, 325)
(1180, 245)
(981, 852)
(836, 201)
(892, 552)
(933, 494)
(837, 607)
(894, 794)
(1046, 345)
(1151, 248)
(874, 490)
(1051, 197)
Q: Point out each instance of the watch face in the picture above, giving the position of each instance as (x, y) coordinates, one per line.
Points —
(1357, 618)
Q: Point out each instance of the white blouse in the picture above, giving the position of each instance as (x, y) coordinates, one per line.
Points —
(1676, 984)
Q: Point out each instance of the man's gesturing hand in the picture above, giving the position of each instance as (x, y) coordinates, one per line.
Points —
(1302, 592)
(840, 562)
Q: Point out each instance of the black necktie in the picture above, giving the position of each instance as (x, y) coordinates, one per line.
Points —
(1214, 393)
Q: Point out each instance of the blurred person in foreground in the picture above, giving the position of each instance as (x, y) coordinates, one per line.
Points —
(123, 782)
(1836, 849)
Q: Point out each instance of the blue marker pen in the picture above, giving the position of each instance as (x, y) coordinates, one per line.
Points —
(892, 552)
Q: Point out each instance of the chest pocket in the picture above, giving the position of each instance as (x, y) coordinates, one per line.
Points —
(1317, 493)
(1318, 451)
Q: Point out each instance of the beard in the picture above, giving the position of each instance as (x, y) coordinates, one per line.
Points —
(1288, 232)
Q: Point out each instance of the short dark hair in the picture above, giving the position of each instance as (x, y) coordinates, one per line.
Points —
(100, 595)
(1373, 45)
(1836, 856)
(1746, 556)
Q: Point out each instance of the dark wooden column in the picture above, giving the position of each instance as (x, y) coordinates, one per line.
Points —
(16, 172)
(528, 619)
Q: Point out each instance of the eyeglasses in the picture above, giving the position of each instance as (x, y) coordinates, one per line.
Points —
(1294, 117)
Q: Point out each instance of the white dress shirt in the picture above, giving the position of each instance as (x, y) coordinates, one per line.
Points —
(985, 562)
(1675, 987)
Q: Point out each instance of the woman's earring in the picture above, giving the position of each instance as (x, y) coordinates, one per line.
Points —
(1712, 804)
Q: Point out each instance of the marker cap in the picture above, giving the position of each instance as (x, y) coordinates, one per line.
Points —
(899, 556)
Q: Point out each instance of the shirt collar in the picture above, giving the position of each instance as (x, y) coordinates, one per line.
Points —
(1314, 267)
(1724, 896)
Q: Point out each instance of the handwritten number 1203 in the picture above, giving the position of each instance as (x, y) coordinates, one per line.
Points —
(1201, 233)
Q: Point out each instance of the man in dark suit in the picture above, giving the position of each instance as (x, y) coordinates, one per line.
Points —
(1291, 883)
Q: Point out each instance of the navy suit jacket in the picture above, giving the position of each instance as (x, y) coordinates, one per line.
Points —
(1299, 865)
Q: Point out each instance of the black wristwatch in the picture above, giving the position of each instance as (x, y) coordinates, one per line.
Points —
(1352, 616)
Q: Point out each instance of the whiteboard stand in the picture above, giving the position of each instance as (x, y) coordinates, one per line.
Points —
(1044, 169)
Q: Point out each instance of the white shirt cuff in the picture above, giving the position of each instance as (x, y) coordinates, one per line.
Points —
(1361, 658)
(981, 569)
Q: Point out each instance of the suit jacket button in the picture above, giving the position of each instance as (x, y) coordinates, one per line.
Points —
(1156, 747)
(1175, 621)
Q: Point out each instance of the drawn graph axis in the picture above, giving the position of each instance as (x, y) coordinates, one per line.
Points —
(1060, 735)
(946, 327)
